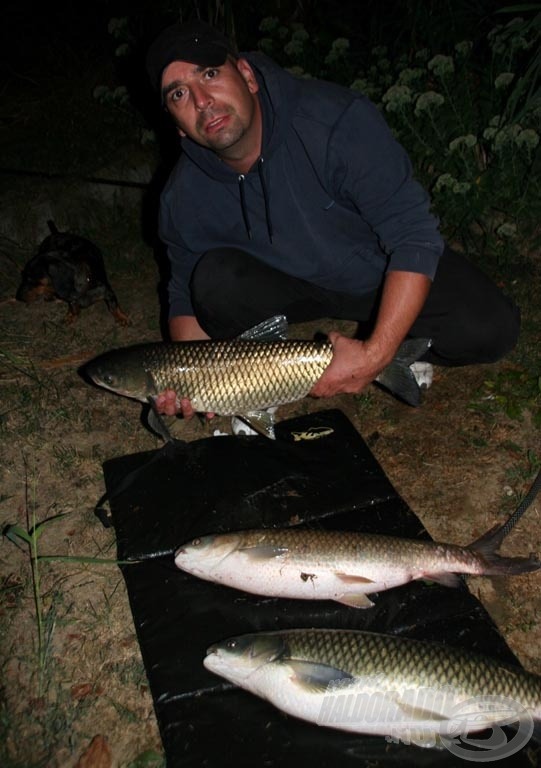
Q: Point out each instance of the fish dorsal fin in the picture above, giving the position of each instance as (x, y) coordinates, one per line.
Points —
(271, 329)
(316, 678)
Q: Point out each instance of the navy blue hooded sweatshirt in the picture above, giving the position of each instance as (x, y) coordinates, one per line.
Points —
(331, 199)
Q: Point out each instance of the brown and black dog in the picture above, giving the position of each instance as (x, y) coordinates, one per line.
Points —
(70, 268)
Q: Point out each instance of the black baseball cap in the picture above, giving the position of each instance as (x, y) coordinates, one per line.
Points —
(195, 42)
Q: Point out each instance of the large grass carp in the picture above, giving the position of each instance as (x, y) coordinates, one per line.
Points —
(243, 376)
(343, 566)
(409, 690)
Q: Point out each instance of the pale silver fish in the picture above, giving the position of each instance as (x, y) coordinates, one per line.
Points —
(417, 692)
(242, 377)
(338, 565)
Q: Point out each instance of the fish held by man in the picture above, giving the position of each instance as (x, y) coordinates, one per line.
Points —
(244, 376)
(343, 566)
(362, 682)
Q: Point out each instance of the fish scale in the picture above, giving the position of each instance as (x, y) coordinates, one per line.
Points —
(345, 566)
(411, 690)
(233, 376)
(413, 663)
(241, 377)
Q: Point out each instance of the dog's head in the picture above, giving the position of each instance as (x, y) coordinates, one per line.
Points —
(51, 275)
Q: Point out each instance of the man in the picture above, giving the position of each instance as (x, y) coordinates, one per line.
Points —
(292, 197)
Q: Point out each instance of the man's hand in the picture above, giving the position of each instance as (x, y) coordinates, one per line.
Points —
(169, 404)
(181, 328)
(354, 365)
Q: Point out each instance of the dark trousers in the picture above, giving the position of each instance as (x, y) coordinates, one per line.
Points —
(466, 315)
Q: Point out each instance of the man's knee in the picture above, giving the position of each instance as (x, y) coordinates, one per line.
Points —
(216, 274)
(482, 339)
(223, 289)
(503, 333)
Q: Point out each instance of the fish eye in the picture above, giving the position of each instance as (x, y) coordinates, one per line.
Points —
(108, 379)
(231, 644)
(196, 542)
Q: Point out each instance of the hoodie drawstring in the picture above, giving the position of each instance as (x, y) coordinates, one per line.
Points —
(243, 206)
(265, 196)
(241, 180)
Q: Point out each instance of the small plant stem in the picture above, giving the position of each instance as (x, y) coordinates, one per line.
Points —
(36, 583)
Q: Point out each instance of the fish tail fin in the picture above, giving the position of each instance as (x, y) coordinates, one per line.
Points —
(487, 545)
(398, 377)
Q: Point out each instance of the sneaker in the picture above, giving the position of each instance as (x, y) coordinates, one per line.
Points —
(424, 373)
(240, 427)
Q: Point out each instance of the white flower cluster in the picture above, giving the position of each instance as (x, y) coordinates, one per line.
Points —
(294, 49)
(297, 71)
(507, 231)
(300, 33)
(366, 87)
(448, 182)
(268, 24)
(464, 48)
(427, 101)
(528, 139)
(509, 37)
(410, 76)
(442, 66)
(266, 44)
(463, 142)
(118, 96)
(397, 97)
(511, 135)
(339, 49)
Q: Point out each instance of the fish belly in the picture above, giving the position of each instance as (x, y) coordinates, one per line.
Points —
(305, 581)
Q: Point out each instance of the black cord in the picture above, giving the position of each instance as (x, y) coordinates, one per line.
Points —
(523, 506)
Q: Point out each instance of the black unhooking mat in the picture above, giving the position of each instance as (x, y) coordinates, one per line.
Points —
(319, 472)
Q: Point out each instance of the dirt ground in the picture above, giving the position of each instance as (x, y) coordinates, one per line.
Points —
(461, 464)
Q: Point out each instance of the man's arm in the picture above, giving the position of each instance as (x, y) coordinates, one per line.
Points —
(185, 328)
(356, 363)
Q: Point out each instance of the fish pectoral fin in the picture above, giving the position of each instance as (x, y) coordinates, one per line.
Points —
(271, 329)
(446, 579)
(351, 578)
(316, 678)
(156, 423)
(261, 421)
(360, 600)
(263, 551)
(419, 714)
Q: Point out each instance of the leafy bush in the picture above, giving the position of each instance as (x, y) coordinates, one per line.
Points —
(469, 119)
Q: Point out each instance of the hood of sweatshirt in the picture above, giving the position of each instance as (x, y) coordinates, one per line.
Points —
(278, 96)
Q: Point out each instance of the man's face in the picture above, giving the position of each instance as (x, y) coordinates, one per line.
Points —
(214, 106)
